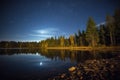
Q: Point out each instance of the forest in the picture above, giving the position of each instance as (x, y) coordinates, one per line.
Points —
(107, 34)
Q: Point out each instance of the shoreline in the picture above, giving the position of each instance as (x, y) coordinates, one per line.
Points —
(117, 48)
(92, 70)
(82, 48)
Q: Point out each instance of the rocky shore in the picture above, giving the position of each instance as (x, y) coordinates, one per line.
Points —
(104, 69)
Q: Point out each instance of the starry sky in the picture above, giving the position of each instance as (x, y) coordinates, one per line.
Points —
(36, 20)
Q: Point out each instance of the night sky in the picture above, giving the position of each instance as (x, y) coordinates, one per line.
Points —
(35, 20)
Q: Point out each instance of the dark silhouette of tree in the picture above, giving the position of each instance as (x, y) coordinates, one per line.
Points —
(111, 28)
(117, 24)
(102, 35)
(78, 39)
(84, 38)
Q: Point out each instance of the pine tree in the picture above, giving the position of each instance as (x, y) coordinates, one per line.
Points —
(111, 28)
(92, 33)
(117, 28)
(80, 38)
(84, 38)
(102, 35)
(76, 39)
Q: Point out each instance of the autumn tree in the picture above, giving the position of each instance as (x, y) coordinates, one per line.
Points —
(72, 40)
(67, 42)
(43, 44)
(62, 41)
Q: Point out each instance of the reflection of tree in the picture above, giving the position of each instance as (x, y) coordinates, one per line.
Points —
(62, 54)
(45, 51)
(73, 56)
(80, 56)
(17, 51)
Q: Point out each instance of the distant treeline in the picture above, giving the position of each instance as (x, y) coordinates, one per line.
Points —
(107, 34)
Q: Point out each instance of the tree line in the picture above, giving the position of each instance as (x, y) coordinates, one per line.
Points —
(107, 34)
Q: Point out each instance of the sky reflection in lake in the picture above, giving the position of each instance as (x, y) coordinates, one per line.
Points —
(30, 66)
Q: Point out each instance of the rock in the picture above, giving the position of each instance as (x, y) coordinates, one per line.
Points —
(85, 67)
(112, 66)
(78, 73)
(71, 69)
(81, 78)
(92, 70)
(63, 75)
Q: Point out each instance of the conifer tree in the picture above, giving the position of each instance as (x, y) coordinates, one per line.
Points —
(111, 28)
(92, 33)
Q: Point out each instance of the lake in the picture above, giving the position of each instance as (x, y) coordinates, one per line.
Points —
(25, 64)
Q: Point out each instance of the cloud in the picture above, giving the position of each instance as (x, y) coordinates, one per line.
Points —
(41, 35)
(102, 23)
(47, 31)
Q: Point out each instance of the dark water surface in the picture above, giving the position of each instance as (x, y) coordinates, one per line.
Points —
(26, 64)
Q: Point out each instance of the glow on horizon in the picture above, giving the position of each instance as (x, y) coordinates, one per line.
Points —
(45, 33)
(42, 31)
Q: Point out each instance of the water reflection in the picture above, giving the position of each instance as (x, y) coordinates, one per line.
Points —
(25, 64)
(72, 55)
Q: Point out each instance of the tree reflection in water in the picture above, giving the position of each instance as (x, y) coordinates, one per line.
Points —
(72, 55)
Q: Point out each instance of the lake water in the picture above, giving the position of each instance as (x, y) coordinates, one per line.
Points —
(26, 64)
